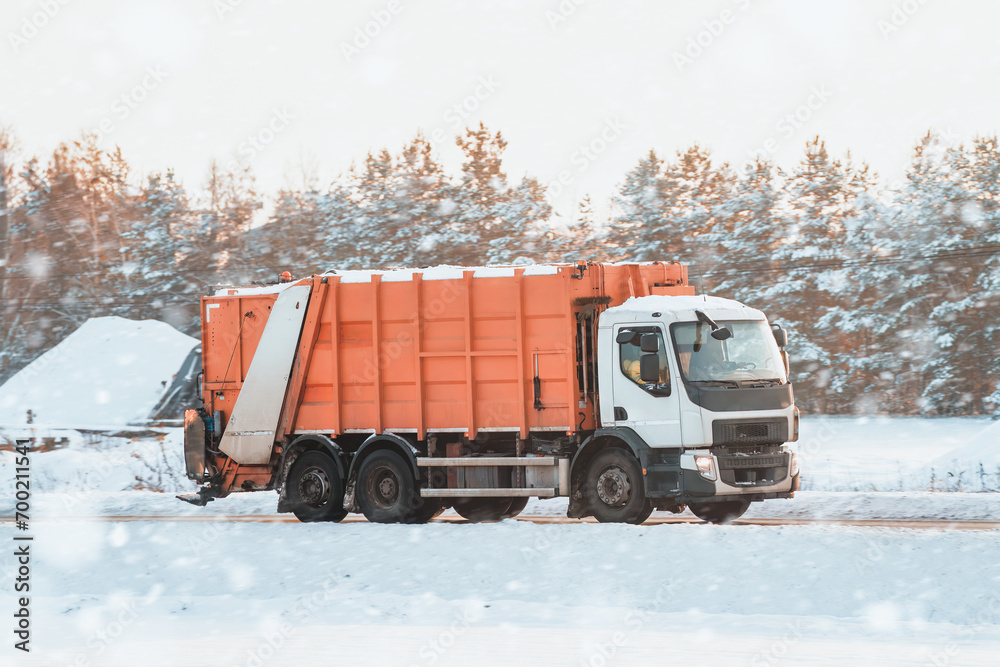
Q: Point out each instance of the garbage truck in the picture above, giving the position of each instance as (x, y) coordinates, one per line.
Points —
(401, 393)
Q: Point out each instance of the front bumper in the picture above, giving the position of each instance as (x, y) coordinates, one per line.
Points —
(678, 477)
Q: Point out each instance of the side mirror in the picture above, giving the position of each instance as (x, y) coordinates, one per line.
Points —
(649, 343)
(722, 333)
(780, 335)
(624, 336)
(649, 368)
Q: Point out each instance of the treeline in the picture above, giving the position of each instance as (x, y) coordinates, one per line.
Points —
(892, 294)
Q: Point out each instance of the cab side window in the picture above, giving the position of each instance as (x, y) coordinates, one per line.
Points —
(630, 354)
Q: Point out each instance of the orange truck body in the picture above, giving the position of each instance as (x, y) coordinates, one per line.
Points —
(398, 393)
(424, 355)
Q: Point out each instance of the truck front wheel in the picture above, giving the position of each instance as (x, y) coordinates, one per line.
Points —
(614, 490)
(314, 489)
(387, 492)
(723, 512)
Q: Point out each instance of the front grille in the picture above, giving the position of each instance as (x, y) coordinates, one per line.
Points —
(759, 469)
(749, 431)
(743, 462)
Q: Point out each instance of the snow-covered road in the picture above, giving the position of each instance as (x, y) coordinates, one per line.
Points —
(193, 594)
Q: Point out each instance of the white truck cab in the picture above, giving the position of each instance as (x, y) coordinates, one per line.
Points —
(702, 382)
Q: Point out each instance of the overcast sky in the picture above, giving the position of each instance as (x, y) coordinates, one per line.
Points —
(201, 77)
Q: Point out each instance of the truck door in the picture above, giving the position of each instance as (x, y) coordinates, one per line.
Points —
(651, 409)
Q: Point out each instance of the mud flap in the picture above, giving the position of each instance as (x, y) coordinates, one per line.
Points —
(194, 445)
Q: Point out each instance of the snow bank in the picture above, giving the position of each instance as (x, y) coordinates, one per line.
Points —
(974, 466)
(899, 454)
(90, 463)
(110, 372)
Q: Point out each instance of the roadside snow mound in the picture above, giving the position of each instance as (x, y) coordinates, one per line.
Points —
(108, 373)
(974, 466)
(85, 465)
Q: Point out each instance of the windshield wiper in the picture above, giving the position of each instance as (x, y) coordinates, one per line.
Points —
(731, 384)
(764, 382)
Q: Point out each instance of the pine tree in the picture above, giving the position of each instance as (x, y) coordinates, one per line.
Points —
(213, 252)
(152, 250)
(813, 281)
(668, 210)
(985, 181)
(936, 233)
(583, 240)
(748, 228)
(491, 222)
(640, 204)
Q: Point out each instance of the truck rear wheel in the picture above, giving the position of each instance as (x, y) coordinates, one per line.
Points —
(613, 488)
(314, 489)
(723, 512)
(517, 506)
(387, 492)
(482, 509)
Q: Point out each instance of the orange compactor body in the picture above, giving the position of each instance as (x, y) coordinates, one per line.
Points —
(417, 353)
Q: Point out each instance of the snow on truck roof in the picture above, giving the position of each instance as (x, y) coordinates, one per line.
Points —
(444, 272)
(405, 275)
(684, 306)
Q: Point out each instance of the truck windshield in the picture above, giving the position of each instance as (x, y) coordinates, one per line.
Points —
(751, 354)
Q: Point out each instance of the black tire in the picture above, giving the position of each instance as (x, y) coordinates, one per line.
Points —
(314, 489)
(387, 492)
(613, 488)
(723, 512)
(482, 509)
(517, 506)
(645, 514)
(431, 509)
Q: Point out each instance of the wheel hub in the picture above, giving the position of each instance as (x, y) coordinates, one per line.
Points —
(387, 487)
(314, 488)
(383, 488)
(613, 487)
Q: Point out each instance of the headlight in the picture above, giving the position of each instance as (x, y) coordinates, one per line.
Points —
(795, 425)
(706, 467)
(794, 465)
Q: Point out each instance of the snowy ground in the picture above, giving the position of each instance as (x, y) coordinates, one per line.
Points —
(459, 594)
(224, 593)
